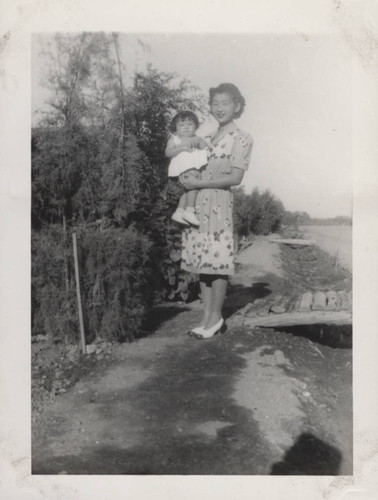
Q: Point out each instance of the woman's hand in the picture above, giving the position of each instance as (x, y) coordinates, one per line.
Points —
(202, 144)
(194, 142)
(224, 181)
(190, 182)
(186, 146)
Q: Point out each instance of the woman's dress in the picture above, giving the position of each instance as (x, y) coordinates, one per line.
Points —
(209, 249)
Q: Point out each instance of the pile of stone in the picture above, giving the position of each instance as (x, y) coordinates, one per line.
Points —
(309, 307)
(326, 301)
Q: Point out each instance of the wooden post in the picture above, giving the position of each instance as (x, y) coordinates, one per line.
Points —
(65, 254)
(82, 333)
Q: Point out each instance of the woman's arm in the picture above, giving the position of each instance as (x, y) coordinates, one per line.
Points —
(224, 181)
(173, 150)
(202, 144)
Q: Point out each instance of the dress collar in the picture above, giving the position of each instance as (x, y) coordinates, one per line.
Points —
(221, 132)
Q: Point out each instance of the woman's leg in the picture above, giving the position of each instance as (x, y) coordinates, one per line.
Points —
(218, 294)
(206, 295)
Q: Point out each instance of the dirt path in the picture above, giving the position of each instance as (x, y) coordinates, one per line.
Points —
(248, 402)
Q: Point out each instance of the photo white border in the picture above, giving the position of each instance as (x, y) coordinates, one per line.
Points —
(19, 19)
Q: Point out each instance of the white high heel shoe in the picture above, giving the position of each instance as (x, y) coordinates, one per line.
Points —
(219, 327)
(196, 331)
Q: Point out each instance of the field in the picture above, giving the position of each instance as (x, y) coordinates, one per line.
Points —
(336, 240)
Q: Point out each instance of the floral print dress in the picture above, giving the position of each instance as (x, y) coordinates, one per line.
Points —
(209, 248)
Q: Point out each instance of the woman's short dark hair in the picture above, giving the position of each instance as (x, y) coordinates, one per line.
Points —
(233, 91)
(184, 115)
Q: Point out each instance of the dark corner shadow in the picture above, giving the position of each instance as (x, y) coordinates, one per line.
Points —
(331, 335)
(239, 296)
(309, 456)
(157, 316)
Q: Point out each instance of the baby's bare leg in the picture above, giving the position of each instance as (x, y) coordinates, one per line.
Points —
(191, 195)
(183, 201)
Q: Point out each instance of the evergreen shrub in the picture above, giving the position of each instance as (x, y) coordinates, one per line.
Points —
(115, 278)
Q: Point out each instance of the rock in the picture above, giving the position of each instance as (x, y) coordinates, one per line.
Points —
(342, 297)
(278, 309)
(306, 302)
(332, 301)
(263, 311)
(246, 309)
(345, 300)
(292, 304)
(279, 358)
(39, 338)
(320, 301)
(91, 348)
(236, 320)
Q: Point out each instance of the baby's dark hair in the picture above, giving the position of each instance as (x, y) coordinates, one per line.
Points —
(184, 115)
(233, 91)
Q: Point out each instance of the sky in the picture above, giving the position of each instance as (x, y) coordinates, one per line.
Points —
(298, 91)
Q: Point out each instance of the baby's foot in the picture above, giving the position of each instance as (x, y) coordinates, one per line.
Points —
(177, 217)
(190, 216)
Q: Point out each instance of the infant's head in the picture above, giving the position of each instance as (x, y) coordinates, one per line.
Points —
(185, 124)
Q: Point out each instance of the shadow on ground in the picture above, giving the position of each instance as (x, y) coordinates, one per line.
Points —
(335, 336)
(184, 420)
(309, 456)
(159, 315)
(239, 296)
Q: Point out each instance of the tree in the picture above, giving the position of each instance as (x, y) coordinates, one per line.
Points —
(98, 163)
(256, 213)
(151, 104)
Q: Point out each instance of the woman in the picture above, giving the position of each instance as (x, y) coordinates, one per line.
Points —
(209, 249)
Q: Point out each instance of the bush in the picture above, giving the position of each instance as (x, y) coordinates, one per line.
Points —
(53, 306)
(115, 274)
(257, 213)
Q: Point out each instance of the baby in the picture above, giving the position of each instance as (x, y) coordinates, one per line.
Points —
(188, 155)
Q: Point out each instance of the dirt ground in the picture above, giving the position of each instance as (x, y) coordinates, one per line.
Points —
(251, 401)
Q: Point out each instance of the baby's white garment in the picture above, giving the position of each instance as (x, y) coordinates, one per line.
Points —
(186, 161)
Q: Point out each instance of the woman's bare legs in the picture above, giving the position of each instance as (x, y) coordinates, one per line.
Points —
(218, 294)
(206, 295)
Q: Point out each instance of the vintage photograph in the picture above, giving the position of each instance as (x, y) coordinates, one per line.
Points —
(191, 254)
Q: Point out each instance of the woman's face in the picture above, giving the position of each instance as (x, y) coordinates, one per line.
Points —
(223, 108)
(185, 127)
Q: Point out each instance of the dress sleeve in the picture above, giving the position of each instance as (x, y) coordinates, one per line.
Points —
(241, 151)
